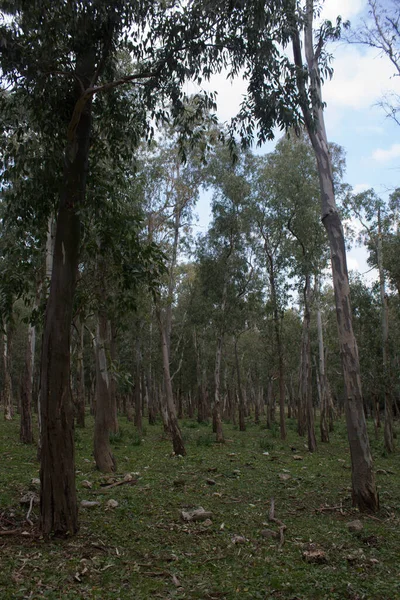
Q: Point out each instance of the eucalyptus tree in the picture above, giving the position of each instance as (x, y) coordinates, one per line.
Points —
(59, 58)
(171, 190)
(375, 220)
(284, 91)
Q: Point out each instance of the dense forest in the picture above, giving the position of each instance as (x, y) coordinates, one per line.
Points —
(117, 315)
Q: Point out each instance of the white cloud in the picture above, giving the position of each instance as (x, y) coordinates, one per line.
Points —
(381, 155)
(352, 264)
(361, 77)
(345, 8)
(361, 187)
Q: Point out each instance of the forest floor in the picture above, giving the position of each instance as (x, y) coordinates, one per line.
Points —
(142, 548)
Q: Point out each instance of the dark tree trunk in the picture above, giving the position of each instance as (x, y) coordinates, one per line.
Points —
(59, 512)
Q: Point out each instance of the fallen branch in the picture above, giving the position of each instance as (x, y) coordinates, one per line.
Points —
(282, 526)
(105, 488)
(29, 511)
(10, 531)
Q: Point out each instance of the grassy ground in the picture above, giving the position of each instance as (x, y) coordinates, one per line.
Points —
(143, 549)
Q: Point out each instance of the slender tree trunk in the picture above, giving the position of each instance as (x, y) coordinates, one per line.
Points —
(173, 425)
(324, 429)
(217, 393)
(104, 421)
(137, 391)
(278, 338)
(242, 422)
(26, 431)
(7, 384)
(113, 384)
(305, 370)
(364, 490)
(388, 425)
(80, 384)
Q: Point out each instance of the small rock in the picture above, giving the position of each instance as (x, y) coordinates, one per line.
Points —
(207, 523)
(269, 534)
(199, 514)
(210, 481)
(35, 482)
(315, 556)
(87, 484)
(112, 503)
(89, 503)
(239, 539)
(356, 556)
(374, 561)
(284, 476)
(297, 457)
(30, 497)
(355, 526)
(128, 477)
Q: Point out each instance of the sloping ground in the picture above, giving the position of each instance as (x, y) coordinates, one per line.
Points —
(142, 548)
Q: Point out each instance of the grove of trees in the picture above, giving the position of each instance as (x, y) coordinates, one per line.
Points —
(110, 303)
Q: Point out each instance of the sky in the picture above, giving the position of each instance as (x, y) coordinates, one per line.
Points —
(353, 118)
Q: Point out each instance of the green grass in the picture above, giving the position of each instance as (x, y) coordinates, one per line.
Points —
(142, 549)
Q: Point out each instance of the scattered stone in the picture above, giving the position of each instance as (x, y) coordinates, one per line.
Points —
(198, 514)
(297, 457)
(207, 523)
(239, 539)
(112, 503)
(269, 534)
(355, 526)
(356, 556)
(87, 484)
(35, 482)
(315, 556)
(210, 481)
(30, 497)
(128, 477)
(284, 476)
(89, 503)
(374, 561)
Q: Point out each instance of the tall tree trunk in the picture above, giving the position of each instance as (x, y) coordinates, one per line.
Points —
(59, 512)
(364, 490)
